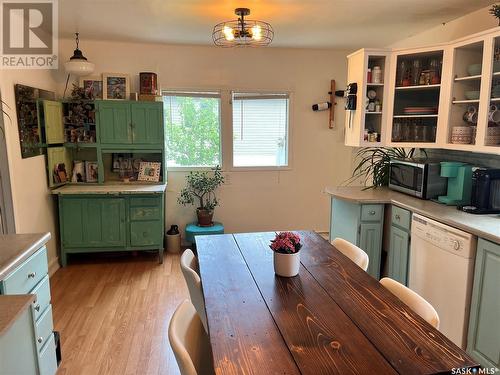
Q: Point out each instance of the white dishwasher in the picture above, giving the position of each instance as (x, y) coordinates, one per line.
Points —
(441, 271)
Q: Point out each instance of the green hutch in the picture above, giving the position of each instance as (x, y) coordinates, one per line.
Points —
(106, 214)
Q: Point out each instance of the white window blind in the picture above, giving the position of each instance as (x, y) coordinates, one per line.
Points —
(192, 121)
(260, 129)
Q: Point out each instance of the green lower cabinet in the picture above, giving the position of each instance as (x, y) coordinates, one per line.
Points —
(371, 242)
(398, 255)
(362, 225)
(108, 222)
(145, 233)
(105, 222)
(483, 339)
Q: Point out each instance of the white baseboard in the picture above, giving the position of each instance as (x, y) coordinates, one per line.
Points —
(53, 266)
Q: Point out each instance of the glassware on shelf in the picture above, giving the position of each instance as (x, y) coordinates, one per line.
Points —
(405, 131)
(416, 70)
(434, 72)
(396, 131)
(402, 73)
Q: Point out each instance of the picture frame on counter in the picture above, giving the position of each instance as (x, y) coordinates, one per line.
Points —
(91, 171)
(149, 171)
(115, 86)
(92, 86)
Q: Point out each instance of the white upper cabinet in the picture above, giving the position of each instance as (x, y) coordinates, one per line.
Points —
(443, 96)
(369, 68)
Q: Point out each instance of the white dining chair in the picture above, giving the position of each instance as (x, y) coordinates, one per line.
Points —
(189, 267)
(414, 301)
(189, 341)
(351, 251)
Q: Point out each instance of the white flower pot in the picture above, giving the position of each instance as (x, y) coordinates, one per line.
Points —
(286, 265)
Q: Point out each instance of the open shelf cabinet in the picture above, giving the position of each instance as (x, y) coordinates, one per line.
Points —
(365, 125)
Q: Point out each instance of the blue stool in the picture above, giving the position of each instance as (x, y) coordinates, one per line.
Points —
(193, 230)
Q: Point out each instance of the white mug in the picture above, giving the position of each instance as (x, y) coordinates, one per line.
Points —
(494, 114)
(471, 115)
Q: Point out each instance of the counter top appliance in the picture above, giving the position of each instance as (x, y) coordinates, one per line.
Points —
(441, 271)
(418, 177)
(485, 197)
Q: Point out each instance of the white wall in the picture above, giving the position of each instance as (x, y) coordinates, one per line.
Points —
(34, 209)
(253, 200)
(471, 23)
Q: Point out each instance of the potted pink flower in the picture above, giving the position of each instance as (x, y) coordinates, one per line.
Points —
(286, 247)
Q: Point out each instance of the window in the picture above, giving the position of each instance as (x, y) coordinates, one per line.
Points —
(192, 120)
(260, 130)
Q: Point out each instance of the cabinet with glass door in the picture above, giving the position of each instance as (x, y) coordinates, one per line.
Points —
(416, 97)
(490, 138)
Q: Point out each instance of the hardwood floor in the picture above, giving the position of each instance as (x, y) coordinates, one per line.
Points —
(113, 314)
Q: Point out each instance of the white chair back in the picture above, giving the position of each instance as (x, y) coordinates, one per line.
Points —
(189, 267)
(189, 341)
(351, 251)
(413, 300)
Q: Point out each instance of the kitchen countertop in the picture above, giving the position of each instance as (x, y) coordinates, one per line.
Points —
(484, 226)
(111, 189)
(11, 307)
(16, 248)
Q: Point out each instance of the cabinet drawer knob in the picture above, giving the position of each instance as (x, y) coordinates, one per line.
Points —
(39, 339)
(37, 307)
(397, 217)
(372, 213)
(31, 275)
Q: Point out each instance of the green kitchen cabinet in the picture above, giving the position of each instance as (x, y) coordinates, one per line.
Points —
(51, 122)
(362, 225)
(104, 222)
(114, 122)
(111, 222)
(130, 123)
(483, 339)
(146, 117)
(399, 251)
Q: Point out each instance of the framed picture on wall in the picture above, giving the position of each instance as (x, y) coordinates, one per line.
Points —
(149, 171)
(115, 86)
(92, 86)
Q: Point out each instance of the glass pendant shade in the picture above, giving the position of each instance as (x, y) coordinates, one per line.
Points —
(78, 64)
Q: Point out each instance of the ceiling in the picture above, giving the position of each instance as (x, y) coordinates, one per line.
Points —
(297, 23)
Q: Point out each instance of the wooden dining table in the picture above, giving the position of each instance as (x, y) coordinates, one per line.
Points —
(332, 318)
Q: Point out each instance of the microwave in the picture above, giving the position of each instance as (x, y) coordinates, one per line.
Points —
(418, 177)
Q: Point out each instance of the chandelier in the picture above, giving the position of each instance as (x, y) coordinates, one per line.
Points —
(242, 32)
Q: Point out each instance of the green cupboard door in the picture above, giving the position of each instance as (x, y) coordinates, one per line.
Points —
(370, 241)
(146, 233)
(483, 339)
(53, 122)
(344, 219)
(105, 222)
(57, 156)
(114, 122)
(399, 255)
(71, 214)
(147, 123)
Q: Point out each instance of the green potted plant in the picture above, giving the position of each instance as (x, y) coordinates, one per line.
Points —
(200, 190)
(373, 163)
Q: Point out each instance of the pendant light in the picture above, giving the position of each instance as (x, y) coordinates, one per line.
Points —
(242, 32)
(78, 64)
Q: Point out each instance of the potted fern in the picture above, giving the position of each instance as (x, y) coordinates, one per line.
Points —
(200, 190)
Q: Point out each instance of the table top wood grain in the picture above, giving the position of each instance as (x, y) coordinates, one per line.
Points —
(333, 318)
